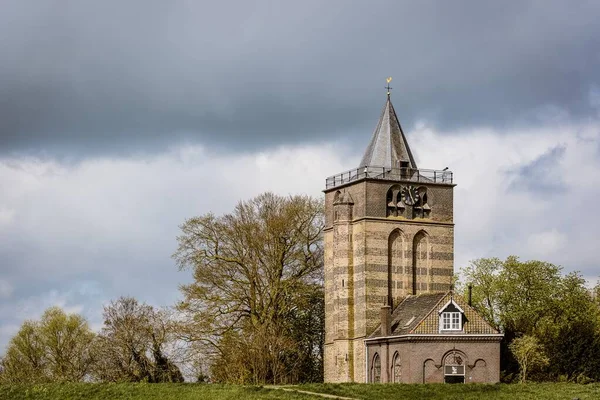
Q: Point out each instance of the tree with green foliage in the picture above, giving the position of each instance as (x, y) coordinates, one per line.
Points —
(528, 291)
(533, 298)
(483, 276)
(132, 344)
(53, 349)
(570, 332)
(529, 353)
(256, 299)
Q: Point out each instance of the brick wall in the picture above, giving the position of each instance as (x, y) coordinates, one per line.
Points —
(422, 360)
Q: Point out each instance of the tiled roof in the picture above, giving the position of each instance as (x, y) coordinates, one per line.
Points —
(420, 315)
(388, 144)
(410, 312)
(473, 322)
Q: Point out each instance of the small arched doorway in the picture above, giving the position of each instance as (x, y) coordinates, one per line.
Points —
(454, 367)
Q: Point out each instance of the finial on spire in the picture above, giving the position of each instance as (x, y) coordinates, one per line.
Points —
(389, 79)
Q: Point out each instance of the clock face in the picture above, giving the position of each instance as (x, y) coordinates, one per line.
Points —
(410, 195)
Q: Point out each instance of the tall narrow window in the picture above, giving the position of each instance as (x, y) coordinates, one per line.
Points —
(396, 368)
(395, 262)
(376, 369)
(420, 262)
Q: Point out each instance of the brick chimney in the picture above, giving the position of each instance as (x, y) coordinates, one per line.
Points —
(386, 321)
(470, 295)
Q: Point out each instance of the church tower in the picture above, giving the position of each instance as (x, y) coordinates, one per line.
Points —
(389, 234)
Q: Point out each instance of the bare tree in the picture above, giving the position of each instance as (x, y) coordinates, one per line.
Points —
(131, 345)
(252, 271)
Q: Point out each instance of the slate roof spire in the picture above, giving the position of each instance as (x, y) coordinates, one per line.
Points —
(388, 147)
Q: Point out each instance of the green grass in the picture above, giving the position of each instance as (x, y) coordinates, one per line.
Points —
(141, 391)
(131, 391)
(566, 391)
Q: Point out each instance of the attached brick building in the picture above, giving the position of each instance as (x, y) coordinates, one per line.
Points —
(389, 241)
(433, 337)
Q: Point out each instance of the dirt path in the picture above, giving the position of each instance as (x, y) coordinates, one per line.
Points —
(292, 389)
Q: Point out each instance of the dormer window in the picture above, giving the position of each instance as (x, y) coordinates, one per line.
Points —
(451, 321)
(451, 317)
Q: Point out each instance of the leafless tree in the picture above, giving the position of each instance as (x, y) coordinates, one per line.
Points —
(253, 271)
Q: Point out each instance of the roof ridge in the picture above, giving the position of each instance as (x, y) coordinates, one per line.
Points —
(403, 136)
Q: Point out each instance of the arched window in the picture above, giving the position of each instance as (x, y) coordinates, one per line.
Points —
(376, 369)
(391, 204)
(454, 367)
(420, 262)
(396, 368)
(395, 264)
(336, 197)
(394, 207)
(422, 208)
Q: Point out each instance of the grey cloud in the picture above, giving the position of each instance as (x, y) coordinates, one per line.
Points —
(82, 78)
(83, 234)
(87, 233)
(542, 175)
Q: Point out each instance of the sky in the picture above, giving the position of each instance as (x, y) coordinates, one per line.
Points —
(119, 120)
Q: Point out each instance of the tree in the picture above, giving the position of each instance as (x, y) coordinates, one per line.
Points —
(533, 299)
(527, 292)
(529, 353)
(571, 331)
(308, 331)
(254, 270)
(54, 349)
(131, 345)
(483, 276)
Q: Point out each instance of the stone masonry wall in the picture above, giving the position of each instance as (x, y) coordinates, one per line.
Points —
(362, 273)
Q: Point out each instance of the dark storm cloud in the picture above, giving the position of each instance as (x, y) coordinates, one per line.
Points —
(87, 77)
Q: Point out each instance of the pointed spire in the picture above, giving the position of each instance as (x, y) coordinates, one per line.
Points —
(388, 146)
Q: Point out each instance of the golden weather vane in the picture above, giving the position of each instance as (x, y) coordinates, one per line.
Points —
(388, 80)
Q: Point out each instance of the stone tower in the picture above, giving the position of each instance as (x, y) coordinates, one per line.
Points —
(389, 234)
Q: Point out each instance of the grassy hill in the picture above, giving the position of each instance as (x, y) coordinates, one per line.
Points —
(356, 391)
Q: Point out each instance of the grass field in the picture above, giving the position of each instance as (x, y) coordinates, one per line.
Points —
(566, 391)
(357, 391)
(135, 391)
